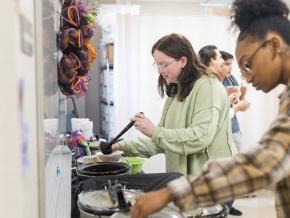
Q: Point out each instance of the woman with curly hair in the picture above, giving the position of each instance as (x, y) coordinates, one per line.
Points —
(263, 55)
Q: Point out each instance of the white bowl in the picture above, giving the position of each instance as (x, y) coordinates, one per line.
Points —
(89, 159)
(115, 156)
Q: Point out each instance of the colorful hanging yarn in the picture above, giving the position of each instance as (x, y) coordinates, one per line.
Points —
(78, 145)
(77, 27)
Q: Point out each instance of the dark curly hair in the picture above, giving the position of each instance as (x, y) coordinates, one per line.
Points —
(256, 18)
(178, 46)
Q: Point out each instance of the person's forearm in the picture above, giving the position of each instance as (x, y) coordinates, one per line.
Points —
(143, 147)
(223, 180)
(166, 195)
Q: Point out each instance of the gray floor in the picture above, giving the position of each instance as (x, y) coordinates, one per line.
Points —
(261, 206)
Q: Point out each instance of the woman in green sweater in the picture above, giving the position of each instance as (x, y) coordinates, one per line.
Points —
(195, 123)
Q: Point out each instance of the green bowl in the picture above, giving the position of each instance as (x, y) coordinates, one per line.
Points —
(136, 164)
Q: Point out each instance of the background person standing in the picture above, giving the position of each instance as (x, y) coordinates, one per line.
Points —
(211, 57)
(237, 96)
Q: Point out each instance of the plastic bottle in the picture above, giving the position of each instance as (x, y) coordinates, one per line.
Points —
(58, 181)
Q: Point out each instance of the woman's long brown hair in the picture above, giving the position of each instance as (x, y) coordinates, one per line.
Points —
(178, 46)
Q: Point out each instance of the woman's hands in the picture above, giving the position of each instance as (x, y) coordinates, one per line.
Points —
(234, 98)
(143, 124)
(150, 203)
(241, 106)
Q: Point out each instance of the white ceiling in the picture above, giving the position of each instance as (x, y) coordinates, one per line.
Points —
(218, 7)
(169, 1)
(189, 1)
(177, 6)
(212, 2)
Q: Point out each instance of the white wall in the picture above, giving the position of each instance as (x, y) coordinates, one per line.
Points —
(18, 162)
(11, 204)
(257, 119)
(136, 80)
(18, 166)
(25, 62)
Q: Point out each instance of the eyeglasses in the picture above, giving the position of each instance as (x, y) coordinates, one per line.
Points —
(162, 66)
(245, 66)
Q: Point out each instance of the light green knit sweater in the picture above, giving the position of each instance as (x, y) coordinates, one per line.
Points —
(190, 132)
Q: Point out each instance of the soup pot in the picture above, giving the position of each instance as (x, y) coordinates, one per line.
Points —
(99, 204)
(217, 211)
(103, 169)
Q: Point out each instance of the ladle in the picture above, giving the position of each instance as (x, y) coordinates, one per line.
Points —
(106, 147)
